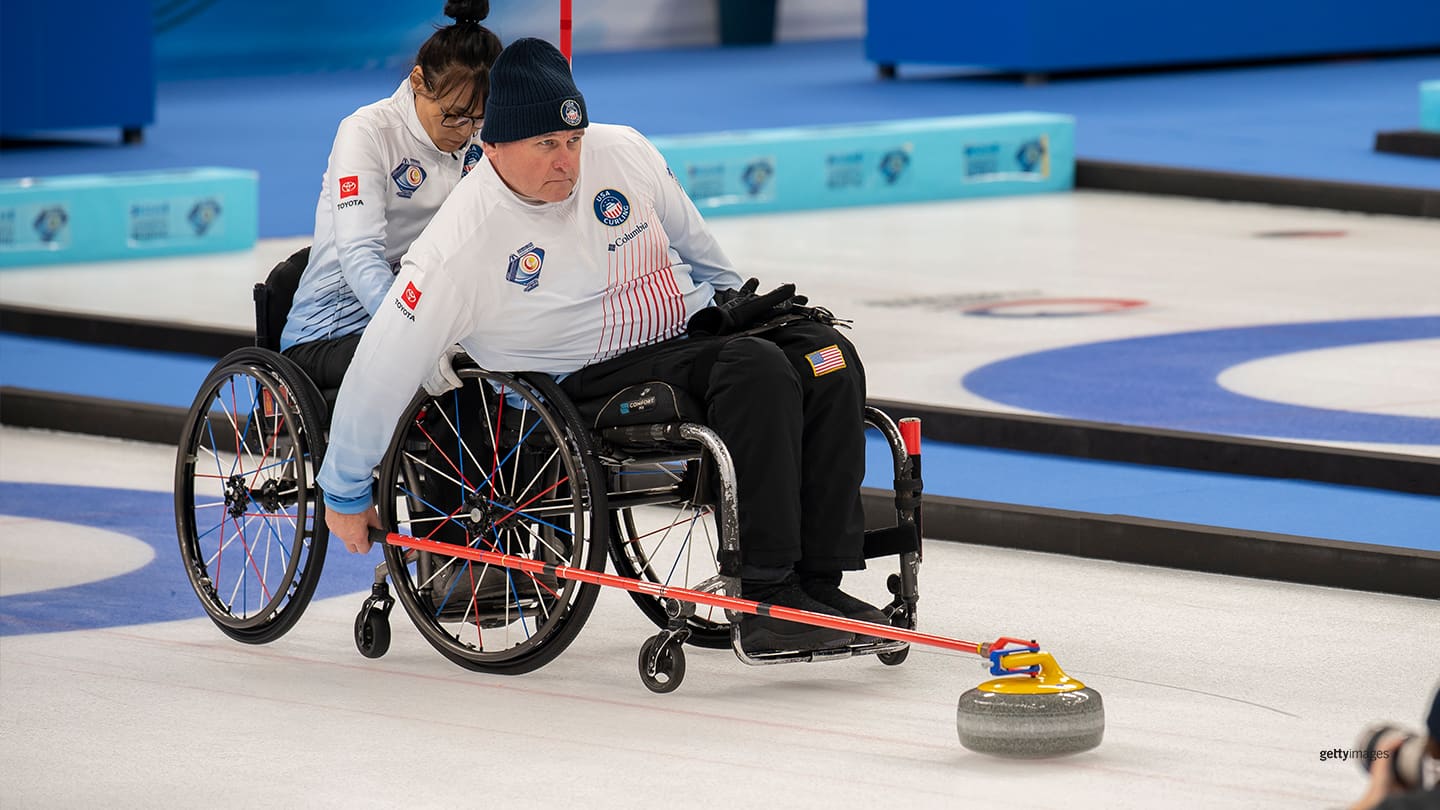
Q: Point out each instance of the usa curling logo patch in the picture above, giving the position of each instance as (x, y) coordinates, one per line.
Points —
(611, 207)
(570, 112)
(472, 156)
(408, 176)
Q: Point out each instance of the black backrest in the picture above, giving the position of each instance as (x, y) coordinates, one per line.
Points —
(274, 297)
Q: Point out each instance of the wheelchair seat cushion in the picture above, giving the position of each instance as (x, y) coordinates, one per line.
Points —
(643, 404)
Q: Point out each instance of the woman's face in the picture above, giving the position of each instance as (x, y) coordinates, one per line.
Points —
(446, 119)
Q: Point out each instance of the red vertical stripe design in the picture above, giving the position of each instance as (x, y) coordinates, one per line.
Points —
(642, 303)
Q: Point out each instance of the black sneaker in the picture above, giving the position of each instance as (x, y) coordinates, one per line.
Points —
(767, 634)
(825, 589)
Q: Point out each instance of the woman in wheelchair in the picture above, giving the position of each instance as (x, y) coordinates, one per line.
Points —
(592, 274)
(392, 164)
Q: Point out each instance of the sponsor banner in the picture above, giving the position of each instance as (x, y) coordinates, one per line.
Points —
(41, 226)
(183, 221)
(872, 164)
(726, 182)
(1026, 160)
(86, 218)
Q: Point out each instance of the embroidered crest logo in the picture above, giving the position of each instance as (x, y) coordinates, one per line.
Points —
(525, 266)
(408, 176)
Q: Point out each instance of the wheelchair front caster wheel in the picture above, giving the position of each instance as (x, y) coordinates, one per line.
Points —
(372, 633)
(662, 664)
(894, 659)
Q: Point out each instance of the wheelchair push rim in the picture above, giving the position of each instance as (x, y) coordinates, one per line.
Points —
(248, 520)
(494, 466)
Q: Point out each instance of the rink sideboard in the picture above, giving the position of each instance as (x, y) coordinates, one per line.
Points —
(804, 168)
(127, 215)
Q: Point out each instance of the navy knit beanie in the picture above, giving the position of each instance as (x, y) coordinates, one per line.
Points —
(531, 93)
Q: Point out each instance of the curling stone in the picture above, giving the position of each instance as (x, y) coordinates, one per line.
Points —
(1041, 715)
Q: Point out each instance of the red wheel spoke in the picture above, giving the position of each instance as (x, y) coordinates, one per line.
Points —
(445, 456)
(245, 543)
(274, 436)
(537, 497)
(447, 519)
(234, 416)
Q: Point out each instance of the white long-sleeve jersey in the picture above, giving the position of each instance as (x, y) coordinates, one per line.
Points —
(384, 181)
(548, 287)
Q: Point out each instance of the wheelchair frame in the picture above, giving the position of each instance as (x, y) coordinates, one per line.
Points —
(272, 443)
(495, 521)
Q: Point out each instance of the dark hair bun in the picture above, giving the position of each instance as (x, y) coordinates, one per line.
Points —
(460, 10)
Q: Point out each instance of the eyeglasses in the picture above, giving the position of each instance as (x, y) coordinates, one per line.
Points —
(451, 120)
(458, 121)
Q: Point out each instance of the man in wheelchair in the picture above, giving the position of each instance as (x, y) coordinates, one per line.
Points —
(606, 278)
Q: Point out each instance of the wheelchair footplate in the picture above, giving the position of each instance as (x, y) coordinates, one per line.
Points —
(764, 657)
(662, 658)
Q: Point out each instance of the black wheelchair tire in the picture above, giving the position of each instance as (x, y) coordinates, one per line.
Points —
(296, 586)
(558, 631)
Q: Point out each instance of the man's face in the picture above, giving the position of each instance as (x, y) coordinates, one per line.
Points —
(545, 167)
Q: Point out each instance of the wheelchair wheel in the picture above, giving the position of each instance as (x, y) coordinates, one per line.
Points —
(248, 516)
(497, 465)
(671, 544)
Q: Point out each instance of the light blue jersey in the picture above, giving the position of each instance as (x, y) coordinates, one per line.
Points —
(384, 182)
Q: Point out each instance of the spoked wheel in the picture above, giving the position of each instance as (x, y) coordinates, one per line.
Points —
(248, 516)
(498, 465)
(671, 544)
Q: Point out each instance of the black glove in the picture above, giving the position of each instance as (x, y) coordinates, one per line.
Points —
(725, 297)
(741, 309)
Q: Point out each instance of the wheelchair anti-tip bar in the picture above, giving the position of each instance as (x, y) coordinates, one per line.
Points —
(996, 650)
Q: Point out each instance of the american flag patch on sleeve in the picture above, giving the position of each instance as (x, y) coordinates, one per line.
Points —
(826, 360)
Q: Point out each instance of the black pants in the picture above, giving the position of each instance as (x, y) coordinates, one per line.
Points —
(325, 361)
(795, 432)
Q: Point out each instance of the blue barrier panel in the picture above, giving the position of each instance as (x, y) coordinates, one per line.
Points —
(1430, 105)
(872, 164)
(76, 66)
(129, 215)
(1039, 36)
